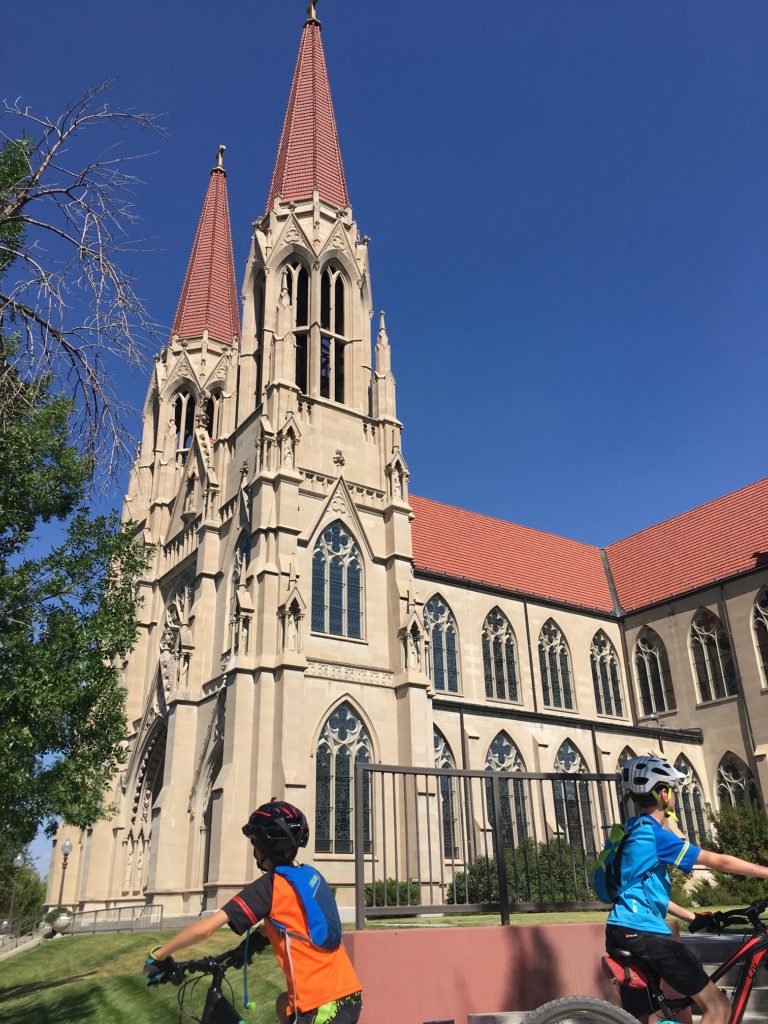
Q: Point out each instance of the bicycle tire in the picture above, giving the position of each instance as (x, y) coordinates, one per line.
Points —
(579, 1010)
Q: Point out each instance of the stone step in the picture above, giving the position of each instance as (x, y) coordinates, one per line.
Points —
(495, 1018)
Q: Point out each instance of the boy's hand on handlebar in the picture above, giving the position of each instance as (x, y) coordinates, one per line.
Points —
(158, 971)
(704, 922)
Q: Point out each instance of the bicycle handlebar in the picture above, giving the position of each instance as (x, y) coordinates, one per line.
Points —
(220, 963)
(722, 918)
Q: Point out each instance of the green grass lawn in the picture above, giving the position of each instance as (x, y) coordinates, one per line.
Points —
(98, 978)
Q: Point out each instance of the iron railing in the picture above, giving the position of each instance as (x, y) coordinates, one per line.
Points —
(137, 918)
(14, 933)
(446, 840)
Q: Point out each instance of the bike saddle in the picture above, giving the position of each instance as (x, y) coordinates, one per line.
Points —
(623, 972)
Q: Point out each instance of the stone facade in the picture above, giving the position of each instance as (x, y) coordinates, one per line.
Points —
(284, 618)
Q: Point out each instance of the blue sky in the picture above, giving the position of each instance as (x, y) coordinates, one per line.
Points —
(567, 205)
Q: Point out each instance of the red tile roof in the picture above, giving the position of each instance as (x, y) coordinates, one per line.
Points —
(466, 545)
(309, 156)
(209, 296)
(723, 538)
(715, 541)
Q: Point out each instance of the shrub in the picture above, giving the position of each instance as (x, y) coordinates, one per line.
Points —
(555, 872)
(54, 914)
(742, 832)
(681, 893)
(397, 893)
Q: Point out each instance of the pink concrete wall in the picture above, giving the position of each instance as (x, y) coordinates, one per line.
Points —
(425, 974)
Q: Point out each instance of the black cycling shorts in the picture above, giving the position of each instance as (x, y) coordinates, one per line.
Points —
(673, 961)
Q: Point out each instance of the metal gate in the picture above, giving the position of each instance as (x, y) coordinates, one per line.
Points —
(446, 840)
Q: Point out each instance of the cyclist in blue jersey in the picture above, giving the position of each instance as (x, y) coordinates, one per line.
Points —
(637, 921)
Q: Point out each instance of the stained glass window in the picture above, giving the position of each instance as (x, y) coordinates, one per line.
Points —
(448, 797)
(713, 663)
(555, 667)
(690, 803)
(344, 741)
(572, 798)
(499, 657)
(337, 584)
(444, 655)
(504, 757)
(735, 782)
(606, 676)
(654, 678)
(760, 629)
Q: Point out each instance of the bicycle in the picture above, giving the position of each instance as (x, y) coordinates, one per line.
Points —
(217, 1009)
(751, 954)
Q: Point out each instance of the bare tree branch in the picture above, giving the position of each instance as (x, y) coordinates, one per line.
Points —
(66, 295)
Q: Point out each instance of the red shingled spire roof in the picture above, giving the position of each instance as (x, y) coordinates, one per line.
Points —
(209, 296)
(309, 156)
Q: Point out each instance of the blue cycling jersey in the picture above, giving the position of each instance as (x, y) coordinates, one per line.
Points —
(644, 890)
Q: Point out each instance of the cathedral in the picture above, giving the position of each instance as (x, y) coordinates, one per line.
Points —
(305, 610)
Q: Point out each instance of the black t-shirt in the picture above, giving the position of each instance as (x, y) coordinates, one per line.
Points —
(250, 905)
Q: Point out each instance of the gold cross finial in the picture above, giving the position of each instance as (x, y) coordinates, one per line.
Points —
(311, 10)
(220, 157)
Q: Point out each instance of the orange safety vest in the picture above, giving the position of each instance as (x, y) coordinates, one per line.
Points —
(315, 976)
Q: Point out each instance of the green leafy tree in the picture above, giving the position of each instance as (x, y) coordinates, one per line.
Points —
(67, 618)
(28, 892)
(67, 610)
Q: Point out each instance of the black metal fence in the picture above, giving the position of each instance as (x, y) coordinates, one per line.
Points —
(445, 840)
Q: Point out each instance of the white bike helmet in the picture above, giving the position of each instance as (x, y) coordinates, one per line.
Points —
(644, 774)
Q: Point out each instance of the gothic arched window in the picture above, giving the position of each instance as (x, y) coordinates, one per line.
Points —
(296, 282)
(499, 657)
(333, 337)
(573, 802)
(654, 678)
(343, 743)
(690, 803)
(444, 645)
(337, 584)
(184, 420)
(606, 676)
(711, 656)
(555, 665)
(448, 797)
(258, 318)
(146, 789)
(213, 412)
(760, 631)
(626, 755)
(504, 757)
(735, 782)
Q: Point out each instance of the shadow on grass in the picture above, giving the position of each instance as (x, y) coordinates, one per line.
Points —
(68, 1008)
(40, 986)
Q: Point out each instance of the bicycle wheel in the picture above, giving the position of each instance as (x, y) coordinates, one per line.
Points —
(579, 1010)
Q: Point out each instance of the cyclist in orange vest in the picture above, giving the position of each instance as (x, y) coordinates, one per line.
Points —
(323, 987)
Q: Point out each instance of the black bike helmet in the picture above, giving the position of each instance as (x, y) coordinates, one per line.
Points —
(278, 828)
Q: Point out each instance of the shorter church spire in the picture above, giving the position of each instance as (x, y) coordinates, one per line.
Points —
(209, 297)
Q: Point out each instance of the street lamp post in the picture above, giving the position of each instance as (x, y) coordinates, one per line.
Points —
(18, 863)
(66, 849)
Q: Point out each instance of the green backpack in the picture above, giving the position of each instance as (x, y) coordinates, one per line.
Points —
(606, 874)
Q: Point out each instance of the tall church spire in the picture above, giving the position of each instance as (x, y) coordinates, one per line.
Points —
(309, 156)
(209, 296)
